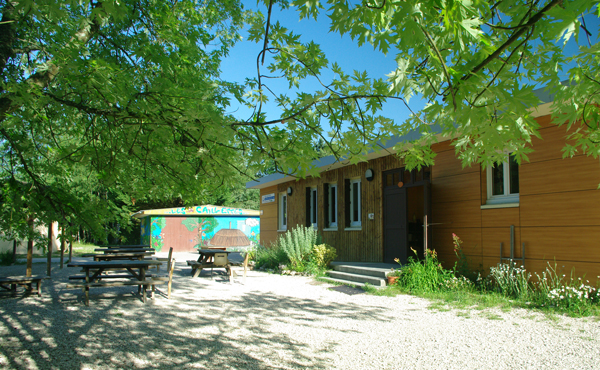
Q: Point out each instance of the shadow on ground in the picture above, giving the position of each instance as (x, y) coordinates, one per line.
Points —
(208, 323)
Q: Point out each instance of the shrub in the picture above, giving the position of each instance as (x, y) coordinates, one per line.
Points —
(322, 255)
(297, 244)
(510, 280)
(572, 294)
(424, 276)
(269, 258)
(6, 258)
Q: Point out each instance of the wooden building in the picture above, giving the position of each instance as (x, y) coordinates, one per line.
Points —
(374, 211)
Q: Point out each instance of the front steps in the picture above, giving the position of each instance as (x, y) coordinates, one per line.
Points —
(358, 274)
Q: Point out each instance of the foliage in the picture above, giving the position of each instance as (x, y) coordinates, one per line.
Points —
(474, 66)
(506, 286)
(462, 267)
(322, 255)
(6, 258)
(570, 294)
(423, 276)
(270, 258)
(298, 244)
(510, 280)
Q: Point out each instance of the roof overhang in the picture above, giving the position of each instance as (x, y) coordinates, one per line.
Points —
(203, 210)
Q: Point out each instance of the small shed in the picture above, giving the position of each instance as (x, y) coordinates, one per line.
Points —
(188, 229)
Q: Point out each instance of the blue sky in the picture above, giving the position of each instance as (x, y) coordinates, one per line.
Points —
(241, 62)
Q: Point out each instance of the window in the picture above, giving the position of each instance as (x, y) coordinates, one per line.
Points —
(503, 182)
(282, 210)
(311, 207)
(330, 205)
(353, 212)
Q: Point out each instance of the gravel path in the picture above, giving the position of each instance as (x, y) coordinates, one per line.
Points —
(275, 322)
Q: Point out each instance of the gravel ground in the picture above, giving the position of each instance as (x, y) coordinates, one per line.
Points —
(274, 322)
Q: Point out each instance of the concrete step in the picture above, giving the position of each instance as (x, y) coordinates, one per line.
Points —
(360, 270)
(348, 282)
(358, 278)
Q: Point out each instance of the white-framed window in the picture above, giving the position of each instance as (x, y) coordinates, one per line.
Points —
(331, 206)
(282, 211)
(312, 207)
(503, 182)
(354, 208)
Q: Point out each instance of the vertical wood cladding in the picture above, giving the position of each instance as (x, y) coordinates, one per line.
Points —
(558, 216)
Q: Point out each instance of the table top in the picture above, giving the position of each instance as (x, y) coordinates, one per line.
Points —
(212, 251)
(125, 246)
(125, 250)
(118, 255)
(117, 263)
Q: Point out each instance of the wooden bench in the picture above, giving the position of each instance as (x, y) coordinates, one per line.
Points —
(117, 276)
(150, 280)
(198, 266)
(10, 282)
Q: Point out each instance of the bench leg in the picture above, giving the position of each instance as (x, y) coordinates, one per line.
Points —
(196, 272)
(87, 295)
(39, 288)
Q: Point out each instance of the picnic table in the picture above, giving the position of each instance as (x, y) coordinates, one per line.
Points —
(93, 275)
(206, 255)
(10, 282)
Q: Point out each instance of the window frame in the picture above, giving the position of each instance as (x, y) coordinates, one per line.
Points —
(282, 208)
(355, 207)
(331, 207)
(312, 209)
(506, 197)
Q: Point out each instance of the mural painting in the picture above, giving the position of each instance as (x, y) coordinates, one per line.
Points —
(186, 234)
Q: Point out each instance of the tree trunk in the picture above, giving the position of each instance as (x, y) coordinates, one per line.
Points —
(63, 244)
(49, 263)
(30, 247)
(70, 250)
(14, 251)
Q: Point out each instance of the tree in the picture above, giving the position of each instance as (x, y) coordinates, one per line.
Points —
(476, 65)
(128, 92)
(126, 89)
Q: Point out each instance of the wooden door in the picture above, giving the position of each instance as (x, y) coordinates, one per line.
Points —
(395, 240)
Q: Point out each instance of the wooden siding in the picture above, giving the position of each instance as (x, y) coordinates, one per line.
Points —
(268, 218)
(557, 218)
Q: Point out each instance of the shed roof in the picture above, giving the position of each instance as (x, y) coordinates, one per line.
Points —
(203, 210)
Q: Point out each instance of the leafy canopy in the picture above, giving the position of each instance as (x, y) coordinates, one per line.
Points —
(125, 97)
(475, 63)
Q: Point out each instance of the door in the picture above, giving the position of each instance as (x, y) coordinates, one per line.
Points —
(395, 238)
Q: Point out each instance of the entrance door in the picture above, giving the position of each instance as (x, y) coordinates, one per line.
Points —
(395, 238)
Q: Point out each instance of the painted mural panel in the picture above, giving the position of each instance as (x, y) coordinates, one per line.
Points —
(185, 234)
(145, 231)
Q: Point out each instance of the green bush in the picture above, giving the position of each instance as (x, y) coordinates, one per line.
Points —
(6, 258)
(269, 258)
(424, 276)
(297, 245)
(322, 255)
